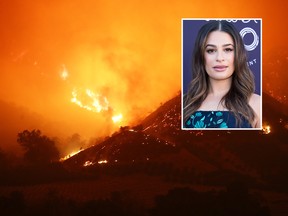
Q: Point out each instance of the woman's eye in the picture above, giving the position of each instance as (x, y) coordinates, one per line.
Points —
(210, 50)
(228, 50)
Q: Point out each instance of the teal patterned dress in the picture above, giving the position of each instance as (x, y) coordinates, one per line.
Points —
(214, 119)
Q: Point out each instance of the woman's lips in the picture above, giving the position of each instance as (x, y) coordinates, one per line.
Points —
(220, 68)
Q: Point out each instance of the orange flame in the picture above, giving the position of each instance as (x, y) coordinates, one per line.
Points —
(117, 118)
(94, 102)
(89, 100)
(88, 163)
(266, 129)
(102, 162)
(70, 155)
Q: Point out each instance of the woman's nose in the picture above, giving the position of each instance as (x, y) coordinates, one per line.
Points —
(220, 56)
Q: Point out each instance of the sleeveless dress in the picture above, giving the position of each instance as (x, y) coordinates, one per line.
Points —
(215, 119)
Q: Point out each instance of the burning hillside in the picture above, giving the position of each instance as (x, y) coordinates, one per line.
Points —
(159, 139)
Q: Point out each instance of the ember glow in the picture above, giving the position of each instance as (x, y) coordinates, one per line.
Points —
(88, 163)
(117, 118)
(70, 155)
(266, 129)
(102, 162)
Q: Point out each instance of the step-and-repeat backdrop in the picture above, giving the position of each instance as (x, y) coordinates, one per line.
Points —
(249, 29)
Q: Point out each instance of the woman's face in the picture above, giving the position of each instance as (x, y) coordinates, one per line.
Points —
(219, 55)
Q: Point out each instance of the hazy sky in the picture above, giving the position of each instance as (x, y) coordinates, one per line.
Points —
(127, 52)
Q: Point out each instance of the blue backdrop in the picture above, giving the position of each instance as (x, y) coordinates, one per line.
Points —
(250, 31)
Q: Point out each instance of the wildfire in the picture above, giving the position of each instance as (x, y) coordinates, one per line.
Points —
(88, 163)
(95, 102)
(266, 129)
(117, 118)
(102, 162)
(70, 155)
(90, 100)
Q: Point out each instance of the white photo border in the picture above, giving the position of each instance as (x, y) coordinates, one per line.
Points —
(261, 74)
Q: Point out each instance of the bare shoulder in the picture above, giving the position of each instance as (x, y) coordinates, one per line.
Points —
(255, 103)
(255, 100)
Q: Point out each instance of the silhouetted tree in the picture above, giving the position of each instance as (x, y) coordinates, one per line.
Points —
(124, 128)
(39, 149)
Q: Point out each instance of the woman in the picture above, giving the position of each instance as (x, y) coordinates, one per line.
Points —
(221, 93)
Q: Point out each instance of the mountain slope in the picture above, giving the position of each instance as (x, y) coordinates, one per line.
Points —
(159, 139)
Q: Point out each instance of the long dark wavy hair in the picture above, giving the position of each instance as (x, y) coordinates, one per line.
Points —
(242, 87)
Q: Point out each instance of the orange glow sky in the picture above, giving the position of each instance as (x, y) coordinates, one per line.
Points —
(129, 51)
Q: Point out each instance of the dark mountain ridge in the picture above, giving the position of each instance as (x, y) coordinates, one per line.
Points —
(158, 139)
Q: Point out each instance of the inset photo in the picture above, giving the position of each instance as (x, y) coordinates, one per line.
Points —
(221, 74)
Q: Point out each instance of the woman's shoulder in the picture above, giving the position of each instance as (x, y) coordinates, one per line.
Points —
(255, 97)
(255, 101)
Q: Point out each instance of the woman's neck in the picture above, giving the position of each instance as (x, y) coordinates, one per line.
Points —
(219, 88)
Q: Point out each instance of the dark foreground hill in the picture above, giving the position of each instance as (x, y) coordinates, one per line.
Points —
(158, 140)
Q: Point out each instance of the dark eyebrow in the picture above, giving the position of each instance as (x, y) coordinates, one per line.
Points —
(228, 45)
(225, 45)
